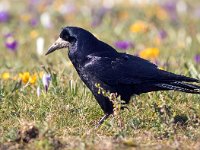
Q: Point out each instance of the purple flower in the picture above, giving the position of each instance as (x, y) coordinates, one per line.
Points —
(4, 16)
(8, 35)
(34, 1)
(10, 42)
(33, 22)
(196, 12)
(46, 81)
(197, 58)
(170, 7)
(123, 45)
(68, 8)
(162, 34)
(98, 15)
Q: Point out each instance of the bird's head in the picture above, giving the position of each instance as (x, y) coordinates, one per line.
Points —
(74, 38)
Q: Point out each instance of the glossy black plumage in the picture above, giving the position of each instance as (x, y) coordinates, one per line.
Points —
(97, 62)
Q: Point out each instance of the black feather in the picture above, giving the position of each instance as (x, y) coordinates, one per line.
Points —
(180, 86)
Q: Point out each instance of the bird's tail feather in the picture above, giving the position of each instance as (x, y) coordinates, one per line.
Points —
(180, 86)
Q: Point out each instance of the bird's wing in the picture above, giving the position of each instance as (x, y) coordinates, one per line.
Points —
(122, 69)
(128, 69)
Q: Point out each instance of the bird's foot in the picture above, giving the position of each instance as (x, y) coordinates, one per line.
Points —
(102, 120)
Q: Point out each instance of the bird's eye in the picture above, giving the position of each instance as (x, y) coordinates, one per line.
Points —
(71, 39)
(66, 36)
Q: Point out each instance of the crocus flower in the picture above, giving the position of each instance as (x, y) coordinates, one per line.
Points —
(181, 7)
(68, 8)
(11, 43)
(33, 79)
(149, 53)
(196, 12)
(123, 45)
(34, 34)
(162, 34)
(33, 2)
(161, 13)
(98, 15)
(24, 77)
(38, 91)
(45, 20)
(197, 58)
(46, 81)
(33, 22)
(26, 17)
(5, 76)
(4, 16)
(40, 45)
(139, 27)
(170, 7)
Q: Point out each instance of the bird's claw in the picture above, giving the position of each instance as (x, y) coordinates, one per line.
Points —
(102, 120)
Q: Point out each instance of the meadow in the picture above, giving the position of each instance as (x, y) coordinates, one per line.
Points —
(43, 103)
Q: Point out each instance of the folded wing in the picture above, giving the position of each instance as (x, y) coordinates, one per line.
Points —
(124, 69)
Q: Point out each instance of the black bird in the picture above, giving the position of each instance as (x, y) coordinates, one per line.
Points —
(124, 74)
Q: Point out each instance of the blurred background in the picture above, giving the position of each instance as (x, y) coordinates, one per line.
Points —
(165, 32)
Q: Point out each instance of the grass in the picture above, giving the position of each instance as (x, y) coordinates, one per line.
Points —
(65, 116)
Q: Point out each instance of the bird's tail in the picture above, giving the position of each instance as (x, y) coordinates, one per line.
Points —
(180, 86)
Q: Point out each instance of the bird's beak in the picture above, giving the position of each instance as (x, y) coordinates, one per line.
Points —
(59, 44)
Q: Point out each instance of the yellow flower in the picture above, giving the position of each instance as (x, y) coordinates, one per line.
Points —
(42, 7)
(5, 76)
(139, 27)
(25, 17)
(157, 11)
(58, 4)
(124, 15)
(149, 53)
(24, 77)
(33, 34)
(161, 13)
(33, 79)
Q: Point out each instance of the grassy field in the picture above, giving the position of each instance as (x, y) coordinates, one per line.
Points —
(65, 115)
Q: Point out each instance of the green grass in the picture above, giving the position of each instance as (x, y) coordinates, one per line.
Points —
(65, 116)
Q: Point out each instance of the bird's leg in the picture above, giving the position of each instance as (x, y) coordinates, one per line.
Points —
(102, 119)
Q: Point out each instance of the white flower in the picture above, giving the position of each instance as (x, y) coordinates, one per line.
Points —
(45, 20)
(181, 7)
(40, 45)
(4, 5)
(38, 91)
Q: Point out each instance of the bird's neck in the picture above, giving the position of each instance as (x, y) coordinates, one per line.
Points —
(76, 58)
(79, 52)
